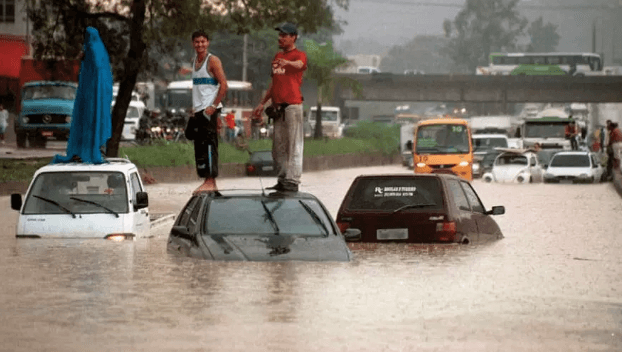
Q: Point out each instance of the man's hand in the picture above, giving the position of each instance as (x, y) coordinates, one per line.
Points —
(257, 111)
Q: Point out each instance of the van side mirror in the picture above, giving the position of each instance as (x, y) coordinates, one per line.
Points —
(352, 235)
(142, 200)
(16, 201)
(182, 232)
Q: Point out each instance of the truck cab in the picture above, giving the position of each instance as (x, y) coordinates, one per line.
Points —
(548, 131)
(332, 127)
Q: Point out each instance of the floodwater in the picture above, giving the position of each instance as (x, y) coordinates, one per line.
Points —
(554, 283)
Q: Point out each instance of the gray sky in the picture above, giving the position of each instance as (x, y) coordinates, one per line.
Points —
(394, 22)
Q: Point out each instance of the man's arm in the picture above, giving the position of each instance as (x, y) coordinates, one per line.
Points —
(259, 108)
(216, 70)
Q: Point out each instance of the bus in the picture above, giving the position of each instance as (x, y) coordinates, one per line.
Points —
(178, 100)
(443, 145)
(533, 64)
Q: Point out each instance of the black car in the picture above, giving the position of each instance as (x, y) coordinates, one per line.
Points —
(260, 163)
(422, 208)
(237, 225)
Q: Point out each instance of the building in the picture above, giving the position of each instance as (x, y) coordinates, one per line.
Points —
(14, 43)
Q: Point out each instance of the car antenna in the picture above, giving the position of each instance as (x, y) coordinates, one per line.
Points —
(263, 191)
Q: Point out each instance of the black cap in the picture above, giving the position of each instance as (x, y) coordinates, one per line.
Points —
(287, 28)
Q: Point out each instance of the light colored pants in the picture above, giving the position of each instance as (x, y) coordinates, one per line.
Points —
(287, 145)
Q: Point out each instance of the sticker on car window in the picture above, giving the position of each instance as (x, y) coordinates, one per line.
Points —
(389, 191)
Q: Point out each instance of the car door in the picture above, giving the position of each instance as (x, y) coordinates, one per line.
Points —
(597, 169)
(180, 245)
(466, 222)
(487, 226)
(140, 218)
(535, 169)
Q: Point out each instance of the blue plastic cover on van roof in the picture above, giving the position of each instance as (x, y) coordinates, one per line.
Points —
(91, 125)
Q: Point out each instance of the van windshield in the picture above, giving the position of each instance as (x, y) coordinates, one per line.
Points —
(326, 115)
(79, 192)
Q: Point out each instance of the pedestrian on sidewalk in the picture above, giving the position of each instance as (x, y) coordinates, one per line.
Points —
(209, 87)
(230, 121)
(284, 92)
(4, 122)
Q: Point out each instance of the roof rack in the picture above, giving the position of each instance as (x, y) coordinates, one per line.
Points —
(120, 160)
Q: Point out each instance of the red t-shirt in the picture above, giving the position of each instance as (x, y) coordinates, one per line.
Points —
(230, 119)
(286, 81)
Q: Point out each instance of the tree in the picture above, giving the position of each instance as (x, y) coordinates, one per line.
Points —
(323, 60)
(423, 53)
(130, 27)
(544, 37)
(482, 27)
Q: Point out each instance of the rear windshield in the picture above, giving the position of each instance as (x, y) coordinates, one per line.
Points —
(570, 161)
(261, 156)
(392, 193)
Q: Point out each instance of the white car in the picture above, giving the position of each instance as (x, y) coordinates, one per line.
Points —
(132, 118)
(77, 200)
(518, 166)
(574, 167)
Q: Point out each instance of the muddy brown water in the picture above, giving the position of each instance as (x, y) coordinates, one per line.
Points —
(554, 283)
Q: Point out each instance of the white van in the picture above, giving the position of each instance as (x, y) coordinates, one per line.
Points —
(76, 200)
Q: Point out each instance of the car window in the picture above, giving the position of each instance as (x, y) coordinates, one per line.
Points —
(459, 197)
(570, 160)
(77, 191)
(194, 217)
(532, 161)
(391, 193)
(267, 216)
(472, 197)
(511, 159)
(184, 216)
(261, 156)
(136, 186)
(594, 162)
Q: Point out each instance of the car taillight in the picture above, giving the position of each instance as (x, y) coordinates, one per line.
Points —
(250, 168)
(446, 231)
(343, 226)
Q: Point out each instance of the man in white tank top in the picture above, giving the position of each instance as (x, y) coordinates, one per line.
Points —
(209, 87)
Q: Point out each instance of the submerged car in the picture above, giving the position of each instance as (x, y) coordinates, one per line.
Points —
(237, 225)
(422, 208)
(517, 166)
(77, 200)
(574, 167)
(260, 163)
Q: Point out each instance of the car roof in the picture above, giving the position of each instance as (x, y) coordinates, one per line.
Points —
(113, 164)
(489, 135)
(574, 152)
(251, 193)
(388, 176)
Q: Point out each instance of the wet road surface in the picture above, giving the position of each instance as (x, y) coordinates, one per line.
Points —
(553, 284)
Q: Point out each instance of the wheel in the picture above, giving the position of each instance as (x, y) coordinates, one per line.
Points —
(21, 138)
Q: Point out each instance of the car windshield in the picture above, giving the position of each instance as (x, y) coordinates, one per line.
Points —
(511, 159)
(544, 130)
(132, 112)
(389, 194)
(480, 144)
(261, 156)
(292, 216)
(570, 160)
(79, 192)
(49, 92)
(442, 139)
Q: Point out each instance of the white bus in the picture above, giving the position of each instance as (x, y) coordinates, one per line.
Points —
(543, 64)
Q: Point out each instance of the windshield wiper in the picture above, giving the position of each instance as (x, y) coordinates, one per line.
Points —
(56, 203)
(314, 215)
(96, 204)
(271, 218)
(410, 206)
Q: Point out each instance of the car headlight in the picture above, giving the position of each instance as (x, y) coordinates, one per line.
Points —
(463, 163)
(584, 176)
(67, 118)
(262, 130)
(420, 164)
(475, 167)
(118, 237)
(25, 119)
(522, 177)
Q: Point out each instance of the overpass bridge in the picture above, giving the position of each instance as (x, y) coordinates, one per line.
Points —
(483, 89)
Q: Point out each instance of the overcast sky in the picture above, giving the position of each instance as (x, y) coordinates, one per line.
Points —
(397, 21)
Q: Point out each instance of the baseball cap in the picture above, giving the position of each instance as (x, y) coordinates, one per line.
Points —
(287, 28)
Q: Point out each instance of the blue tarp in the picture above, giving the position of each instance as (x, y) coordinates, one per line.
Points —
(91, 125)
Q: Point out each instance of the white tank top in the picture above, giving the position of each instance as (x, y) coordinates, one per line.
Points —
(204, 86)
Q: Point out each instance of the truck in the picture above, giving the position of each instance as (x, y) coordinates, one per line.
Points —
(332, 127)
(45, 100)
(546, 130)
(491, 124)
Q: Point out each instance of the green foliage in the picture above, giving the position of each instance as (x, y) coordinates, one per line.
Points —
(482, 27)
(381, 137)
(544, 37)
(20, 170)
(424, 52)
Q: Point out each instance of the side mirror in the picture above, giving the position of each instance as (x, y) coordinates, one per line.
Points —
(16, 201)
(352, 235)
(182, 232)
(142, 200)
(496, 210)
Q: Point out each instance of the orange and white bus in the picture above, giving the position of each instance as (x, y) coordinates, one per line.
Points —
(443, 145)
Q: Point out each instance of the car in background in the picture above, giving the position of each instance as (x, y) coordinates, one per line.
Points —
(422, 208)
(242, 225)
(260, 163)
(574, 167)
(77, 200)
(132, 119)
(515, 166)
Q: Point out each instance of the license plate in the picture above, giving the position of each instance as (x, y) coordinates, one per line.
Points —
(47, 133)
(392, 234)
(267, 168)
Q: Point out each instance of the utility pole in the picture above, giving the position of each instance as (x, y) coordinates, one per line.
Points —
(244, 58)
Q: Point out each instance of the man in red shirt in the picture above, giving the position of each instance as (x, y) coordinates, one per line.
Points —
(288, 67)
(230, 120)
